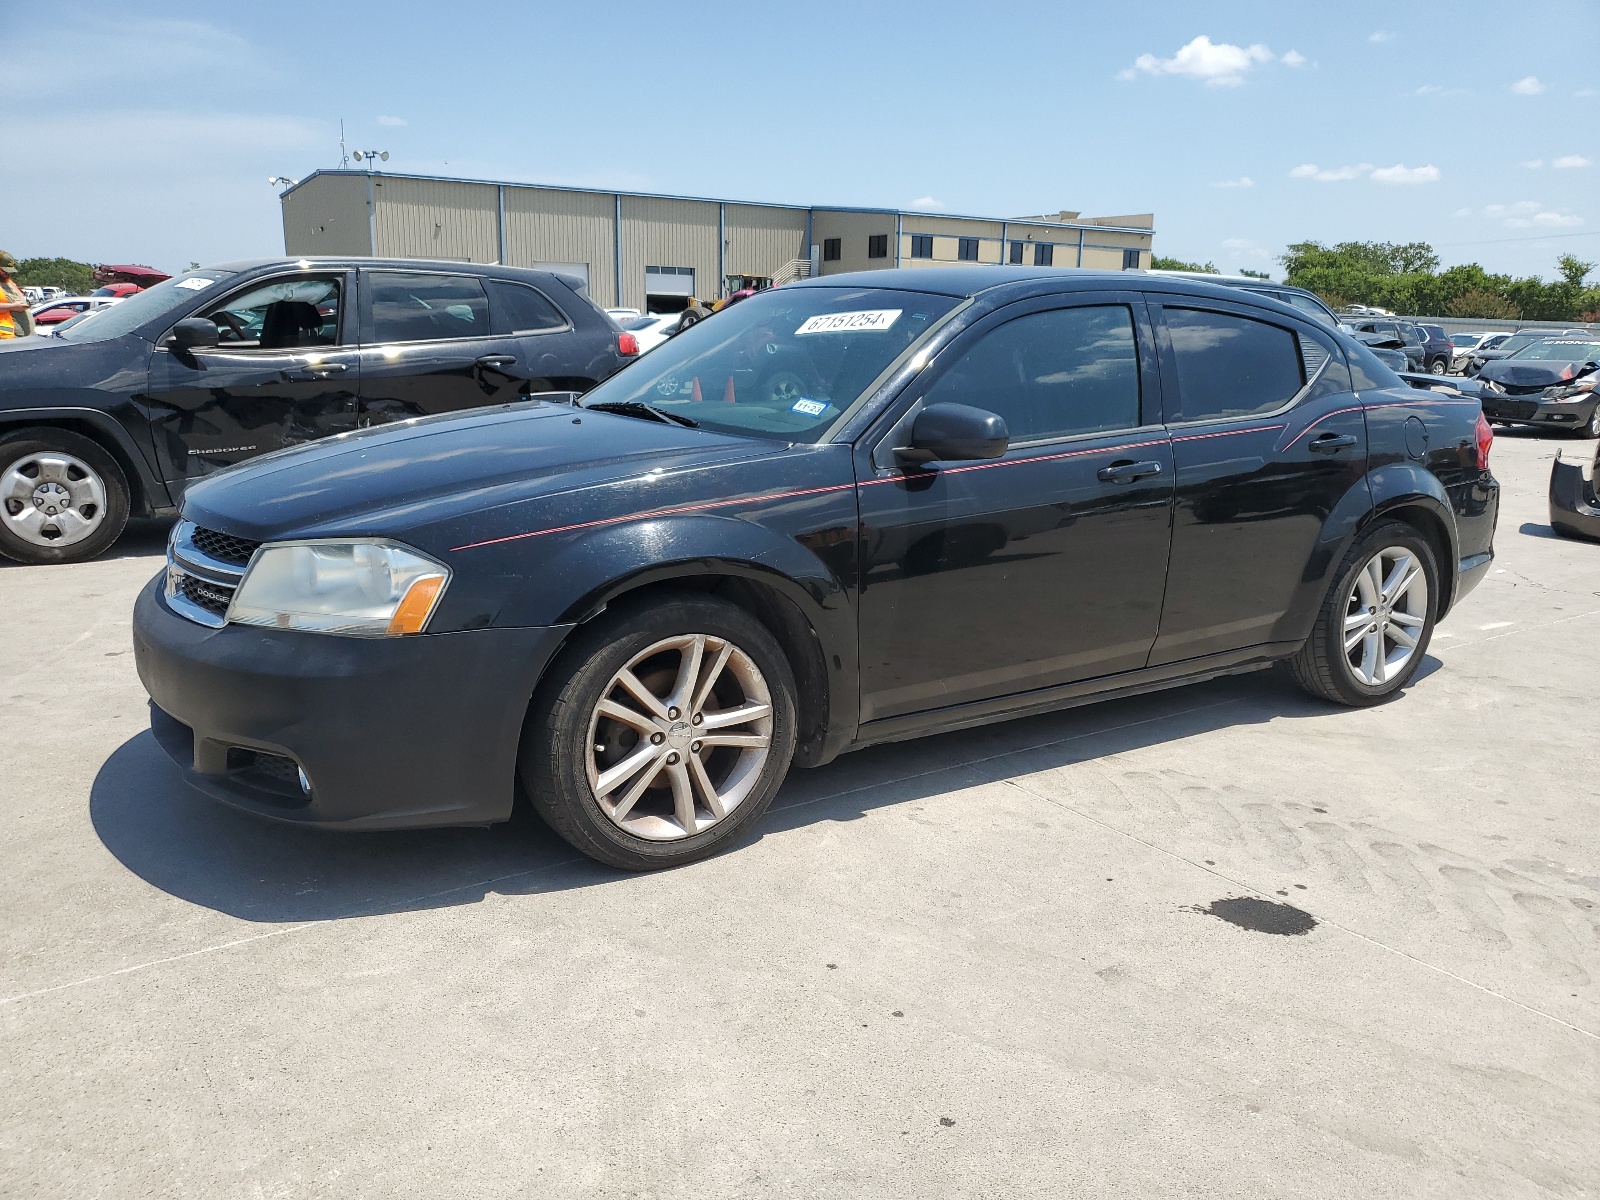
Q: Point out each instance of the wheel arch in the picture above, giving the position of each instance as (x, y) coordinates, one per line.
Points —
(146, 497)
(1415, 496)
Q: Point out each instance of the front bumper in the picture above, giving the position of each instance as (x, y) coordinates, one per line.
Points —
(391, 733)
(1530, 410)
(1574, 508)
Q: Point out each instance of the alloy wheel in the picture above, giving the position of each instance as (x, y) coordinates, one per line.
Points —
(1385, 615)
(679, 737)
(52, 499)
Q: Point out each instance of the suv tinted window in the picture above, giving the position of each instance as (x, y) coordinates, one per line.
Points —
(1051, 374)
(1231, 366)
(414, 307)
(522, 309)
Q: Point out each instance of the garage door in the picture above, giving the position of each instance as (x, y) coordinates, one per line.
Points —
(669, 281)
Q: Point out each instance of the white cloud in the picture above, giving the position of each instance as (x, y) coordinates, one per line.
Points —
(1567, 161)
(1429, 89)
(1244, 181)
(391, 120)
(1533, 164)
(926, 202)
(1244, 248)
(1463, 212)
(1585, 93)
(1521, 207)
(1383, 35)
(1331, 174)
(1400, 173)
(1553, 220)
(1529, 85)
(1293, 59)
(1218, 64)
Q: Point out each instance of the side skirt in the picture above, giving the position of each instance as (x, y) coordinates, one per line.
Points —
(1071, 695)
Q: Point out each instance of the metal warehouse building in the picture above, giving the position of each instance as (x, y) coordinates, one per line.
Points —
(657, 252)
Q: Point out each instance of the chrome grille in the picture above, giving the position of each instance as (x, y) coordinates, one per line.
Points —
(212, 597)
(222, 546)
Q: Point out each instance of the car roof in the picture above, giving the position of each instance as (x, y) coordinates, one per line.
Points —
(973, 281)
(494, 270)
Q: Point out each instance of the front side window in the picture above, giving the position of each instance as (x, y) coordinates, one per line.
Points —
(967, 251)
(412, 306)
(524, 309)
(1230, 366)
(1044, 254)
(830, 249)
(787, 363)
(878, 245)
(921, 245)
(283, 314)
(1051, 374)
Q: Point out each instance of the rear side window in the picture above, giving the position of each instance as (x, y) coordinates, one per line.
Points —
(1230, 366)
(1051, 374)
(522, 309)
(415, 307)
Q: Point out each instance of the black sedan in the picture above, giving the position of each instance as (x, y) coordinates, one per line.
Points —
(117, 415)
(1549, 385)
(851, 510)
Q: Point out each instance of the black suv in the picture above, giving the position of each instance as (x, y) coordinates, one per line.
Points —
(115, 417)
(850, 510)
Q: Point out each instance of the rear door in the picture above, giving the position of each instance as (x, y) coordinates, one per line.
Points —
(1268, 441)
(428, 346)
(285, 370)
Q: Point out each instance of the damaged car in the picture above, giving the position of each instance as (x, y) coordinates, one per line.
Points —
(1574, 508)
(1549, 384)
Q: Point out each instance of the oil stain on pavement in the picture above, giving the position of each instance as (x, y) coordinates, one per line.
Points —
(1261, 916)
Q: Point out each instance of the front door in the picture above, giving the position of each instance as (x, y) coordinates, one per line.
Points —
(1269, 441)
(284, 371)
(428, 347)
(1042, 567)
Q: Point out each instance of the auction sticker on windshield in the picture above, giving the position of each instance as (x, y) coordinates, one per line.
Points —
(194, 284)
(872, 320)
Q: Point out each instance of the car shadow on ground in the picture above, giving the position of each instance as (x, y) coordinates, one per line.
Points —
(142, 538)
(208, 854)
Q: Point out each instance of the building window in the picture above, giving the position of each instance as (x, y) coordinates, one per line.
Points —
(1130, 260)
(830, 249)
(922, 245)
(1044, 254)
(968, 250)
(878, 245)
(1016, 252)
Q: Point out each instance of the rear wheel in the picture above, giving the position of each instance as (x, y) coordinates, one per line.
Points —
(1374, 627)
(62, 498)
(662, 734)
(1439, 365)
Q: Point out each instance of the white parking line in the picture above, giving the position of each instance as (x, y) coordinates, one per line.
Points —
(1496, 625)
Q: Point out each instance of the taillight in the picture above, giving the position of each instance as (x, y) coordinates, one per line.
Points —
(627, 344)
(1485, 442)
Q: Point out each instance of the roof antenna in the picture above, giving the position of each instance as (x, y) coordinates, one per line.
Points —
(344, 158)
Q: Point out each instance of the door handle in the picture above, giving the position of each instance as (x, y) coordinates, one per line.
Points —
(1329, 443)
(1127, 472)
(317, 371)
(498, 362)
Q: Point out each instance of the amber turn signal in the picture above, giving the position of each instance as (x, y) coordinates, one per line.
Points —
(416, 606)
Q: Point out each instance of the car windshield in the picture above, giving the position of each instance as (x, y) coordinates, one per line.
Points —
(1561, 350)
(1518, 341)
(141, 307)
(787, 363)
(1464, 340)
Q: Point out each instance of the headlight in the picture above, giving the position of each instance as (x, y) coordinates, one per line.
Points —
(1490, 385)
(1570, 391)
(363, 588)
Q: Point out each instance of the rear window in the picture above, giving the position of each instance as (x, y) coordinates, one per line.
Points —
(1231, 366)
(417, 307)
(523, 309)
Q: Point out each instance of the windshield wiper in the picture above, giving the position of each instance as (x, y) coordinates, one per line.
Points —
(638, 408)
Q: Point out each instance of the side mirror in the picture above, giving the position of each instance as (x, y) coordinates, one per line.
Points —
(952, 432)
(194, 333)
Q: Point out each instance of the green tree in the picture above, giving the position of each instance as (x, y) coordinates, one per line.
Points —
(1254, 274)
(1480, 303)
(1157, 263)
(55, 272)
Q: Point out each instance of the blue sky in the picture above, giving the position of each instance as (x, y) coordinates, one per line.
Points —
(147, 133)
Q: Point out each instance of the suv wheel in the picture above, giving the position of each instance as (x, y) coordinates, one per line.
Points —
(661, 734)
(1373, 629)
(1439, 366)
(62, 498)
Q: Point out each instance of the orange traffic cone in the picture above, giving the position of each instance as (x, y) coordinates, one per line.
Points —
(727, 392)
(694, 394)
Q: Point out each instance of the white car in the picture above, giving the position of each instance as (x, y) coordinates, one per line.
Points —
(1465, 345)
(619, 315)
(651, 329)
(49, 316)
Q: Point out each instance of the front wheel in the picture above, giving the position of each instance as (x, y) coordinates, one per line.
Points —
(62, 498)
(662, 733)
(1591, 427)
(1374, 627)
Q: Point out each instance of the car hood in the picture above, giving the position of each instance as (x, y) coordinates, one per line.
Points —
(390, 480)
(1511, 372)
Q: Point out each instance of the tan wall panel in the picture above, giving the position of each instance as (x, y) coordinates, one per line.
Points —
(1100, 260)
(668, 233)
(950, 226)
(548, 225)
(432, 218)
(852, 229)
(327, 215)
(760, 240)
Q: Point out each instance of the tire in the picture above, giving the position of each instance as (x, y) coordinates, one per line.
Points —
(1439, 366)
(691, 316)
(63, 499)
(1323, 666)
(1591, 427)
(570, 745)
